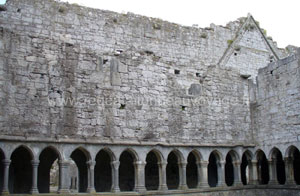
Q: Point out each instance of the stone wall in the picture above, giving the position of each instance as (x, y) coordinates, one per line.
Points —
(277, 109)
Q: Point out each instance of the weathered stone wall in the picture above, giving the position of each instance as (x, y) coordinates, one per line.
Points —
(125, 78)
(277, 109)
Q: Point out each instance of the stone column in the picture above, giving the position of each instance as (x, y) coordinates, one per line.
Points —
(182, 176)
(272, 171)
(139, 176)
(221, 173)
(289, 171)
(35, 165)
(202, 174)
(253, 178)
(237, 173)
(91, 183)
(5, 190)
(64, 178)
(115, 176)
(162, 176)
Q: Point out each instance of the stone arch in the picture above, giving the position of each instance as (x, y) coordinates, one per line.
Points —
(49, 158)
(277, 162)
(192, 170)
(103, 170)
(152, 169)
(232, 158)
(172, 169)
(246, 167)
(79, 179)
(127, 169)
(262, 167)
(293, 160)
(2, 158)
(20, 170)
(214, 168)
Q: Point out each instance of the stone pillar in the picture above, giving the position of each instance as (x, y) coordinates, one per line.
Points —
(91, 183)
(289, 171)
(115, 176)
(140, 176)
(253, 178)
(221, 173)
(237, 173)
(35, 165)
(272, 172)
(202, 174)
(162, 176)
(5, 190)
(64, 179)
(182, 176)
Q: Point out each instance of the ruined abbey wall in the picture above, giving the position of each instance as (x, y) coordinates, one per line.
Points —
(126, 78)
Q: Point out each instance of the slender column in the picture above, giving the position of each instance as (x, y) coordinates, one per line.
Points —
(115, 176)
(289, 171)
(91, 183)
(237, 173)
(64, 179)
(202, 174)
(182, 175)
(35, 165)
(139, 176)
(273, 172)
(162, 176)
(221, 173)
(5, 190)
(253, 178)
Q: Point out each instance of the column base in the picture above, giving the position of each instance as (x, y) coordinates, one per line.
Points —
(63, 191)
(203, 186)
(290, 183)
(272, 182)
(141, 189)
(91, 190)
(238, 183)
(163, 187)
(253, 182)
(4, 193)
(34, 191)
(183, 187)
(115, 190)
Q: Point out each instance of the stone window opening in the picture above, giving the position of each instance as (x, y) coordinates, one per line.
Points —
(177, 71)
(103, 172)
(172, 171)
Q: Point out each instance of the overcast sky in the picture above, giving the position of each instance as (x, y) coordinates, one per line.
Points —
(279, 17)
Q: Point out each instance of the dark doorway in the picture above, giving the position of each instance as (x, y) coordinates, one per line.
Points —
(20, 171)
(103, 172)
(245, 169)
(212, 170)
(262, 168)
(126, 172)
(229, 171)
(192, 171)
(47, 158)
(2, 157)
(151, 172)
(80, 159)
(172, 171)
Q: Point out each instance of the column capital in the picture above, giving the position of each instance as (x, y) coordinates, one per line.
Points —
(35, 162)
(203, 163)
(254, 162)
(63, 163)
(115, 164)
(91, 163)
(287, 159)
(162, 163)
(139, 163)
(182, 164)
(236, 163)
(6, 162)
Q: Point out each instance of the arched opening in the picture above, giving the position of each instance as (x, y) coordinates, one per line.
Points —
(280, 167)
(126, 172)
(212, 169)
(262, 168)
(245, 168)
(296, 166)
(172, 171)
(20, 171)
(48, 171)
(80, 158)
(229, 171)
(151, 171)
(192, 171)
(103, 172)
(2, 157)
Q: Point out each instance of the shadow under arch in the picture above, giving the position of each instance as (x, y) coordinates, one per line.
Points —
(127, 169)
(214, 168)
(246, 167)
(277, 162)
(232, 158)
(192, 170)
(49, 161)
(20, 170)
(103, 170)
(152, 169)
(262, 167)
(293, 155)
(172, 170)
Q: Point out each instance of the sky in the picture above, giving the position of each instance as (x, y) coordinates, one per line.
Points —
(279, 17)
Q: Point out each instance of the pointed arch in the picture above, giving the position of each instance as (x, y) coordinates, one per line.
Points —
(172, 170)
(246, 167)
(262, 167)
(213, 168)
(127, 170)
(152, 170)
(192, 170)
(230, 170)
